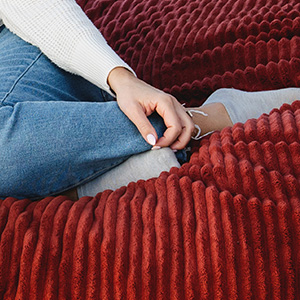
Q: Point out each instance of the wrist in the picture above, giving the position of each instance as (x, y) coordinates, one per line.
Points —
(118, 77)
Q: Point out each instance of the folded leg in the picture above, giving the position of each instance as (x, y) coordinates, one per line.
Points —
(48, 147)
(57, 130)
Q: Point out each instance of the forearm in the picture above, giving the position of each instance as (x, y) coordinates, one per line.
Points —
(65, 34)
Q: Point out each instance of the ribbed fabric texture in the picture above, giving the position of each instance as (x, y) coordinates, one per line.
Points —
(226, 225)
(191, 48)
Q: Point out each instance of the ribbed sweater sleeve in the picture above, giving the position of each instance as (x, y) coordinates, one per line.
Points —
(64, 34)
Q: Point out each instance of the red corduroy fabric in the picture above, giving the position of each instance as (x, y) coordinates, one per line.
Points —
(191, 48)
(226, 225)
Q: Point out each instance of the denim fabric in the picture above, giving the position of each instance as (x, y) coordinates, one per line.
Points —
(57, 130)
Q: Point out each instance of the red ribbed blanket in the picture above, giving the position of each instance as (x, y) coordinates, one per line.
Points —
(226, 225)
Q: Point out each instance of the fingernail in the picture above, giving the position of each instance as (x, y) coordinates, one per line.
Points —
(155, 148)
(151, 139)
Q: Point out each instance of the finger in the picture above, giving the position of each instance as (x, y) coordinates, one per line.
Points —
(186, 133)
(182, 140)
(137, 115)
(172, 122)
(179, 126)
(169, 137)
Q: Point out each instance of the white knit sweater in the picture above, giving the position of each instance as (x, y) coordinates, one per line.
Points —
(64, 34)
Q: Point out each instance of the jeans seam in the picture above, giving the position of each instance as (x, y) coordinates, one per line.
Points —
(19, 78)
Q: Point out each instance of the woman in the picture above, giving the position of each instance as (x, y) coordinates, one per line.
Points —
(60, 126)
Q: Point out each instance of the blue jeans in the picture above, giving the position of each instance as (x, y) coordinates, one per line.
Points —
(57, 130)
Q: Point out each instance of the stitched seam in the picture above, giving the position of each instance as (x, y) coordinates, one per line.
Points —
(18, 79)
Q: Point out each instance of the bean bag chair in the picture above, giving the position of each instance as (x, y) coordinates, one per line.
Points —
(226, 225)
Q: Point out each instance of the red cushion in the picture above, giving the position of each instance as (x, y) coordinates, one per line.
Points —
(192, 48)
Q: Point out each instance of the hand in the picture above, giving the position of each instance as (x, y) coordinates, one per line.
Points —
(138, 100)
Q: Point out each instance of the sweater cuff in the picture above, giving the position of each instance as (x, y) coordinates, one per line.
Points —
(94, 59)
